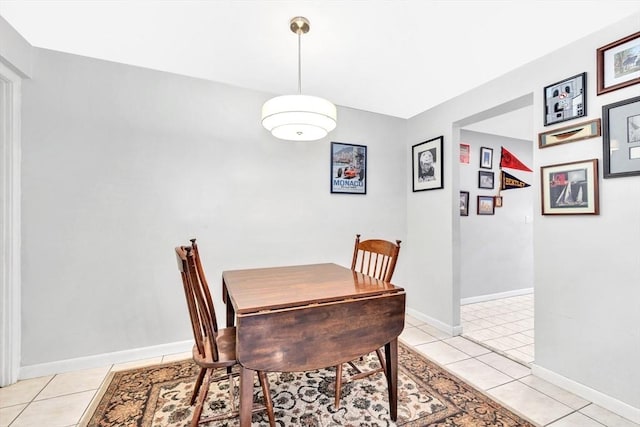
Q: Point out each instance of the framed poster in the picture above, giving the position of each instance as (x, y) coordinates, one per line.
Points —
(426, 165)
(621, 138)
(485, 179)
(565, 100)
(464, 153)
(570, 188)
(464, 203)
(584, 130)
(618, 64)
(485, 205)
(486, 157)
(348, 168)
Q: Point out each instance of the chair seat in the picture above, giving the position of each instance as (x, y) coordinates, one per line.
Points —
(226, 343)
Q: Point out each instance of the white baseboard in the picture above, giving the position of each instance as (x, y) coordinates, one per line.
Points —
(444, 327)
(489, 297)
(623, 409)
(98, 360)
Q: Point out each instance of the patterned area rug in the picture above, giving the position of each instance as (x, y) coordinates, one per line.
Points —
(427, 396)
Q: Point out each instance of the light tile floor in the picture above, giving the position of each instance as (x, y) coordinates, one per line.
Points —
(504, 379)
(504, 325)
(61, 400)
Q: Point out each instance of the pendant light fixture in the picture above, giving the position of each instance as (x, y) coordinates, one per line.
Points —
(299, 117)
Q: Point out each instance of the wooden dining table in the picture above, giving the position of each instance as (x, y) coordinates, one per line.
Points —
(307, 317)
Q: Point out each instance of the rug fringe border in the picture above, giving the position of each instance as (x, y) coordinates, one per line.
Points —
(97, 398)
(104, 387)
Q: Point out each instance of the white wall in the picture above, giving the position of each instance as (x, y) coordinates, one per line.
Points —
(516, 124)
(430, 220)
(496, 251)
(121, 164)
(586, 268)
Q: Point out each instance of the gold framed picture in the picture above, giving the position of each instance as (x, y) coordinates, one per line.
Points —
(570, 188)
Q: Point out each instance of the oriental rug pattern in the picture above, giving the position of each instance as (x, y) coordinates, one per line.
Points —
(427, 396)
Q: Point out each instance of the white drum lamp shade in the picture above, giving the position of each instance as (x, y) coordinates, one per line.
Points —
(299, 117)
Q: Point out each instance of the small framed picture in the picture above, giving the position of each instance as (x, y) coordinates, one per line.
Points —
(570, 188)
(618, 65)
(486, 158)
(427, 165)
(497, 201)
(621, 138)
(584, 130)
(464, 153)
(485, 205)
(565, 100)
(348, 168)
(464, 203)
(485, 179)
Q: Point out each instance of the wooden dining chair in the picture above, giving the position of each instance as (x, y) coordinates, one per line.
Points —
(214, 350)
(375, 258)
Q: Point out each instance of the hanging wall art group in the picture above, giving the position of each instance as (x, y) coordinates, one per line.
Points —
(572, 187)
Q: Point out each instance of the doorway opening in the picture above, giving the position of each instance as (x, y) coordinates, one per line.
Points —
(495, 235)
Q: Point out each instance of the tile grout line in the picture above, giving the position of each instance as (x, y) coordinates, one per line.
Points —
(499, 352)
(33, 399)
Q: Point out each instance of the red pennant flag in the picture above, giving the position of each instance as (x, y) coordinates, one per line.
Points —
(508, 160)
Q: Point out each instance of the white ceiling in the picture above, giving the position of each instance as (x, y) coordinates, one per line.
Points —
(392, 57)
(514, 124)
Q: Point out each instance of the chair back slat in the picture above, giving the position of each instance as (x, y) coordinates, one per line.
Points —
(191, 305)
(204, 284)
(376, 258)
(199, 305)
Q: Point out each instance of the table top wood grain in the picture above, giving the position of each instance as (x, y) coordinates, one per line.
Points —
(259, 289)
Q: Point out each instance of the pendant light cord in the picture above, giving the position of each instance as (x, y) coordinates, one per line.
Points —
(299, 64)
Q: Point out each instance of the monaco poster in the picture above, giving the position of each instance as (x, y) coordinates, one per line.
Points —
(348, 168)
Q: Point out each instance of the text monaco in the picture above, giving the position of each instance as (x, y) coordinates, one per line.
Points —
(347, 183)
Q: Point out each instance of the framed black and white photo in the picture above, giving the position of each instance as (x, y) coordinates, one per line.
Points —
(427, 165)
(348, 168)
(486, 157)
(485, 179)
(464, 203)
(570, 188)
(565, 100)
(621, 138)
(618, 64)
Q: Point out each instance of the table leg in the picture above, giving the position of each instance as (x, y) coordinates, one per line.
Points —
(246, 396)
(391, 355)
